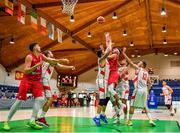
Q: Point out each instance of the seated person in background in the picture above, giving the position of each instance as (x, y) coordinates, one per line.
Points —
(63, 101)
(55, 99)
(76, 102)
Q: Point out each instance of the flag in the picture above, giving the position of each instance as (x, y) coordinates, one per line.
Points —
(21, 13)
(59, 34)
(34, 20)
(51, 31)
(43, 26)
(9, 6)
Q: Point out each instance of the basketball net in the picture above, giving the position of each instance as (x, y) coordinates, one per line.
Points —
(68, 6)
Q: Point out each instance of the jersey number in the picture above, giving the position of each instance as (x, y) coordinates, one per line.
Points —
(145, 76)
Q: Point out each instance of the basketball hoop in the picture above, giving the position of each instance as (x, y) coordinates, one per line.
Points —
(68, 6)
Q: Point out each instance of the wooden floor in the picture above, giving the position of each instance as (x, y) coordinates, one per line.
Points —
(85, 114)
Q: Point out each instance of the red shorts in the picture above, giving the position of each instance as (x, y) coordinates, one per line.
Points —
(34, 86)
(113, 77)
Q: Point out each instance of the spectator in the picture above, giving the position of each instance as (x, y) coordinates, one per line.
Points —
(55, 99)
(88, 100)
(69, 99)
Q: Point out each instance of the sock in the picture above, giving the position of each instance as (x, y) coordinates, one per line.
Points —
(149, 116)
(14, 109)
(130, 116)
(38, 103)
(97, 115)
(116, 110)
(125, 116)
(43, 114)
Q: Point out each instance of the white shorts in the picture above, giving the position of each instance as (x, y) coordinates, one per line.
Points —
(139, 99)
(168, 100)
(47, 93)
(123, 91)
(46, 87)
(112, 89)
(45, 82)
(102, 86)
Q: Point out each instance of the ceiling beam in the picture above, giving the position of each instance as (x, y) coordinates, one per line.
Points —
(156, 45)
(86, 68)
(58, 2)
(148, 17)
(107, 12)
(69, 50)
(175, 1)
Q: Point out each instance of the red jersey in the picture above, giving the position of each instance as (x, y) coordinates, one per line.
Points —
(36, 74)
(113, 63)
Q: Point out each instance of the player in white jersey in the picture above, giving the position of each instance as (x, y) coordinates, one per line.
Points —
(140, 93)
(167, 93)
(123, 86)
(47, 71)
(102, 81)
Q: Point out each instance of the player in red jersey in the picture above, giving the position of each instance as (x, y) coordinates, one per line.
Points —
(114, 76)
(31, 81)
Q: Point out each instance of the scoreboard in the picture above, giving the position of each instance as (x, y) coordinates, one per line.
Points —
(67, 81)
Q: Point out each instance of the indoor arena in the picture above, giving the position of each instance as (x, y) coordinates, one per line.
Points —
(70, 66)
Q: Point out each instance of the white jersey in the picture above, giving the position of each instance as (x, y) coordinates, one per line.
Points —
(142, 79)
(167, 97)
(124, 82)
(47, 71)
(102, 80)
(166, 90)
(103, 72)
(135, 79)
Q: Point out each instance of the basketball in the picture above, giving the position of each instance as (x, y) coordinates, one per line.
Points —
(100, 19)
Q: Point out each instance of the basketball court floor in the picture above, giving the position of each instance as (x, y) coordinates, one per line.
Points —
(80, 120)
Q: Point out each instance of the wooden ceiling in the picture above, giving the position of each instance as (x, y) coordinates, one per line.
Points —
(140, 18)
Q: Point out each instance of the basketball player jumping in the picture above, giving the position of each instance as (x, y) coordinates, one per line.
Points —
(31, 81)
(123, 86)
(114, 76)
(47, 71)
(102, 80)
(140, 93)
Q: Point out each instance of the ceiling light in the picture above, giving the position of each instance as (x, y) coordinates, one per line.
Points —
(89, 34)
(138, 55)
(164, 29)
(163, 11)
(165, 41)
(131, 44)
(12, 40)
(132, 55)
(175, 53)
(124, 33)
(166, 54)
(114, 16)
(72, 19)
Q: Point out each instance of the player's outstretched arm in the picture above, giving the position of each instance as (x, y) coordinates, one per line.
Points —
(129, 60)
(65, 67)
(55, 61)
(108, 47)
(27, 66)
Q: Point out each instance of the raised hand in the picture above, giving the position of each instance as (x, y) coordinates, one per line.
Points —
(124, 50)
(73, 68)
